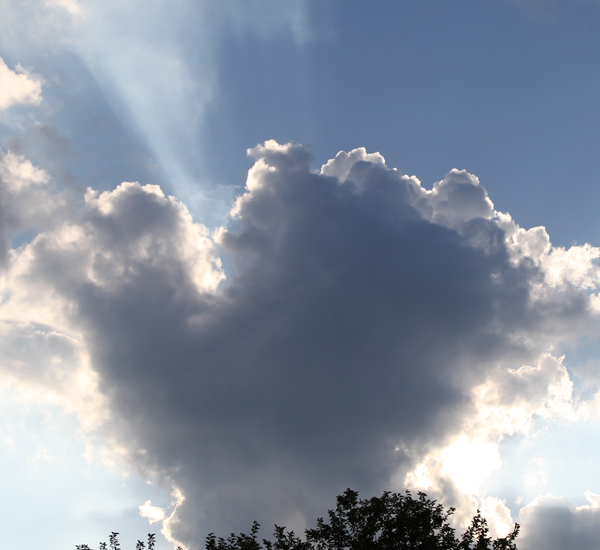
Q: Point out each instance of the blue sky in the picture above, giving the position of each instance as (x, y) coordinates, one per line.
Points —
(130, 319)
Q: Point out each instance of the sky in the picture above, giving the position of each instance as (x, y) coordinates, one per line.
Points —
(255, 252)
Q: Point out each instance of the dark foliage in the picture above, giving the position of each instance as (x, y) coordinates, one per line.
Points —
(114, 543)
(391, 522)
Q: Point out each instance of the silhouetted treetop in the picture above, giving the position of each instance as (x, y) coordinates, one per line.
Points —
(394, 521)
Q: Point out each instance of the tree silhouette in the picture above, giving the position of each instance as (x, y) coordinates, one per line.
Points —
(115, 545)
(394, 521)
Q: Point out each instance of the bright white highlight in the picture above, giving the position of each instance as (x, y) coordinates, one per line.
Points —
(153, 514)
(18, 86)
(468, 463)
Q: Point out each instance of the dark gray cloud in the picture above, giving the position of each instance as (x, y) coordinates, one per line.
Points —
(360, 312)
(554, 524)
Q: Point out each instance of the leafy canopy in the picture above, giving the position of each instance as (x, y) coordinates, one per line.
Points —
(394, 521)
(115, 545)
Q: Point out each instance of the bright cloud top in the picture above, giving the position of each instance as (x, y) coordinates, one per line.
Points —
(370, 332)
(18, 86)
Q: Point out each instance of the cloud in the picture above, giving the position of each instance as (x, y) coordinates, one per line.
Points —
(71, 6)
(154, 514)
(553, 523)
(164, 93)
(365, 323)
(509, 402)
(18, 86)
(27, 202)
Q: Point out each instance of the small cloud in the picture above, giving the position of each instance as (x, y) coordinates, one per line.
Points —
(593, 499)
(19, 86)
(153, 514)
(42, 455)
(72, 6)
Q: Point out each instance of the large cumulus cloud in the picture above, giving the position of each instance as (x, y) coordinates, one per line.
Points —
(360, 315)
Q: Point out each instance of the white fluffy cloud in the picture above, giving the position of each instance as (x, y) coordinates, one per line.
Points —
(369, 329)
(26, 202)
(18, 86)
